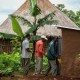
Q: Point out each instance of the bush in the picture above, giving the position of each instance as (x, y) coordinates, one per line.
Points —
(45, 63)
(9, 63)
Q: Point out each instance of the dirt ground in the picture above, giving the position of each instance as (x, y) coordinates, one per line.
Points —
(36, 77)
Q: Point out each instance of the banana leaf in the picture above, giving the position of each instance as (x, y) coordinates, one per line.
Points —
(16, 27)
(34, 9)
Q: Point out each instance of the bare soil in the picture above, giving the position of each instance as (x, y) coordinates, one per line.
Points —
(36, 77)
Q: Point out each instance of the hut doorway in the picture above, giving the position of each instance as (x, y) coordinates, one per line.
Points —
(58, 52)
(58, 61)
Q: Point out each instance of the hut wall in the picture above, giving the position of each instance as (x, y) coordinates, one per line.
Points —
(5, 45)
(71, 53)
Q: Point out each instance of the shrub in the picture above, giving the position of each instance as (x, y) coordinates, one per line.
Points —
(45, 63)
(9, 63)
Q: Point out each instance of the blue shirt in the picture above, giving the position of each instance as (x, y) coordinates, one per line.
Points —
(52, 50)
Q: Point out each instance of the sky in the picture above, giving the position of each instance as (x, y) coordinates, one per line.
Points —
(9, 6)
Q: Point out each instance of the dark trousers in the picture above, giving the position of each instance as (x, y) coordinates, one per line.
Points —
(25, 65)
(54, 67)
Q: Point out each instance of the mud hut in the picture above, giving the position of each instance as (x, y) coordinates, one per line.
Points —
(70, 33)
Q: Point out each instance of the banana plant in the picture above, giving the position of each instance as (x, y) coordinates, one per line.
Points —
(16, 27)
(34, 11)
(48, 19)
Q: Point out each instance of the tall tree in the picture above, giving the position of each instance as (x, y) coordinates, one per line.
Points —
(61, 6)
(77, 18)
(74, 16)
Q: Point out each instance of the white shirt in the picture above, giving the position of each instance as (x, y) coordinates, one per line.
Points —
(25, 45)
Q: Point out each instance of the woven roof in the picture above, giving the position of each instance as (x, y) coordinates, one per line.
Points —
(46, 8)
(49, 30)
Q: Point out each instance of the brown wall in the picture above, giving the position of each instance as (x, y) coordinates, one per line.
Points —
(70, 53)
(5, 45)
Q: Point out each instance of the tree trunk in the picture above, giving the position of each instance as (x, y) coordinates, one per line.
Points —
(33, 54)
(34, 34)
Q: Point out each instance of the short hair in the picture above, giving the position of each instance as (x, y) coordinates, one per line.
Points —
(27, 35)
(51, 38)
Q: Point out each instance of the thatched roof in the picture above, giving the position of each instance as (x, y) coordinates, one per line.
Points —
(49, 30)
(46, 8)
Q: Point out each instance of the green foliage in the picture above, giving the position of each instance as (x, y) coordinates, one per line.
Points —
(71, 15)
(6, 36)
(61, 6)
(16, 42)
(35, 38)
(16, 27)
(77, 18)
(48, 19)
(34, 9)
(32, 29)
(33, 3)
(23, 20)
(9, 63)
(74, 16)
(45, 63)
